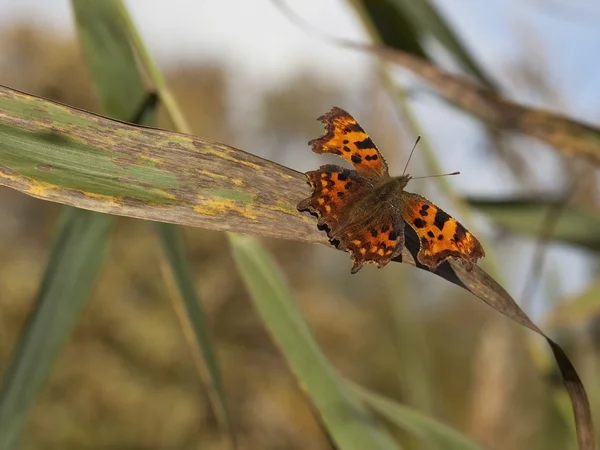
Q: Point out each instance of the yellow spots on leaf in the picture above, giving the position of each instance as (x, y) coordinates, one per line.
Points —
(152, 160)
(35, 188)
(222, 207)
(218, 176)
(40, 189)
(10, 177)
(285, 209)
(108, 199)
(44, 190)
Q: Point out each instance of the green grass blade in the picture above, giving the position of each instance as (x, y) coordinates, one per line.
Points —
(105, 31)
(415, 423)
(172, 243)
(77, 256)
(108, 54)
(347, 421)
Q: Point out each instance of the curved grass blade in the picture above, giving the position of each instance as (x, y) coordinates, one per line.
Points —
(487, 289)
(76, 258)
(105, 33)
(483, 286)
(427, 429)
(349, 424)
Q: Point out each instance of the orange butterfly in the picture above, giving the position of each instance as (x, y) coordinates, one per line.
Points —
(364, 210)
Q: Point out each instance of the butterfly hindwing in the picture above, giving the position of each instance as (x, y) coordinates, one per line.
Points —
(334, 189)
(376, 241)
(338, 199)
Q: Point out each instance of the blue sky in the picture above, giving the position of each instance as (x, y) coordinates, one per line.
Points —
(557, 38)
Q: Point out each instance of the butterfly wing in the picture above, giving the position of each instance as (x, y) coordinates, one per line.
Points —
(378, 240)
(334, 190)
(340, 199)
(440, 235)
(346, 138)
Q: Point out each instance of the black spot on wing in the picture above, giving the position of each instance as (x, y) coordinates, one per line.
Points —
(356, 159)
(419, 223)
(353, 127)
(440, 219)
(340, 194)
(365, 143)
(343, 176)
(460, 233)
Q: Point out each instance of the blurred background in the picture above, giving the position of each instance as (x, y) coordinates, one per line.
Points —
(247, 77)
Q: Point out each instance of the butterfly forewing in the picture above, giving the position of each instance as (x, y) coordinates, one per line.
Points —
(346, 138)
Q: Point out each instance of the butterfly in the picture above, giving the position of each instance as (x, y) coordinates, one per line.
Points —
(364, 210)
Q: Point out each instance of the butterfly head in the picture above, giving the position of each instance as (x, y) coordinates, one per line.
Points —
(391, 186)
(401, 181)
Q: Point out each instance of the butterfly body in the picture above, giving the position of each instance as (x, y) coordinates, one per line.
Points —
(365, 210)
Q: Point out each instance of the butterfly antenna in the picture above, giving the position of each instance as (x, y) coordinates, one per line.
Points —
(411, 153)
(434, 176)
